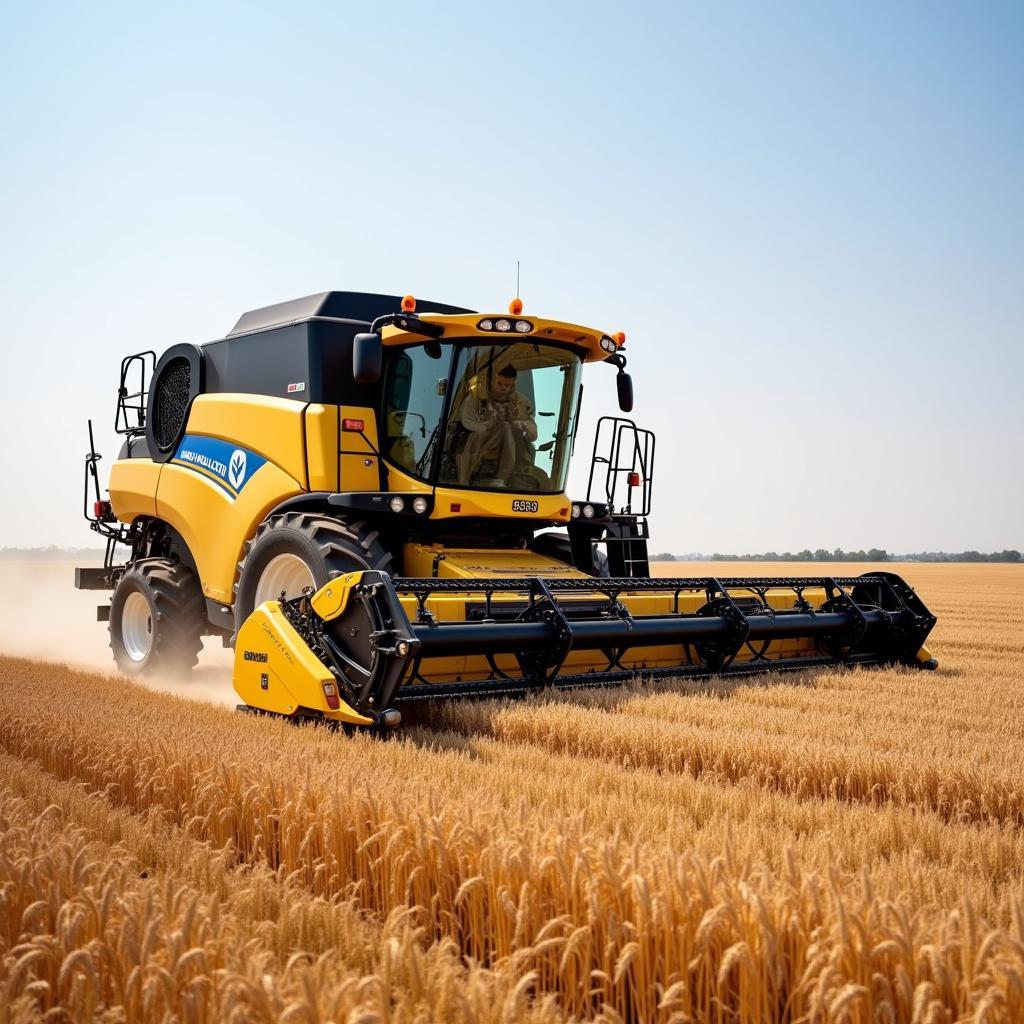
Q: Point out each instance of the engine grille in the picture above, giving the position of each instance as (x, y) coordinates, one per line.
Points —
(172, 394)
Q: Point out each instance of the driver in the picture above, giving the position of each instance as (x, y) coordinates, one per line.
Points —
(501, 433)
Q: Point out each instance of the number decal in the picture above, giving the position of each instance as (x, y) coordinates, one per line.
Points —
(520, 505)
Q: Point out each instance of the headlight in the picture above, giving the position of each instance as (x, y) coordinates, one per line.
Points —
(575, 511)
(588, 511)
(524, 326)
(397, 504)
(503, 325)
(608, 344)
(486, 325)
(419, 505)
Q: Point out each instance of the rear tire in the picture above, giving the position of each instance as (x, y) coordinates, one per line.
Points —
(157, 619)
(297, 550)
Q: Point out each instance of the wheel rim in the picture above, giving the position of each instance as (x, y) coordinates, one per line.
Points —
(283, 572)
(136, 626)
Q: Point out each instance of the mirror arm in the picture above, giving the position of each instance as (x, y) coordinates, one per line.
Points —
(407, 322)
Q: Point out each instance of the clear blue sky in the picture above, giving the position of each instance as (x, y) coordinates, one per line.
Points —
(807, 217)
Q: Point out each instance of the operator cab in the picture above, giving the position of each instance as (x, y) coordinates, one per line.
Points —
(481, 403)
(473, 415)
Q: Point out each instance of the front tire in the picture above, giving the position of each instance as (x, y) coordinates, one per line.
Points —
(157, 618)
(297, 550)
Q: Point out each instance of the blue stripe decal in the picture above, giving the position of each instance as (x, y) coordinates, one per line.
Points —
(219, 461)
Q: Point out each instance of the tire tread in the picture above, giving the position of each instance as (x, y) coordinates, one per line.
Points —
(180, 618)
(339, 542)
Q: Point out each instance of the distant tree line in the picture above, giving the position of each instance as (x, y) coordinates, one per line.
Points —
(1009, 555)
(821, 555)
(839, 555)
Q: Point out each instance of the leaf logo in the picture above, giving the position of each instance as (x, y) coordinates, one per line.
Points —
(236, 469)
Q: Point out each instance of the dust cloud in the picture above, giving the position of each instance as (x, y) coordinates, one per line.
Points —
(44, 618)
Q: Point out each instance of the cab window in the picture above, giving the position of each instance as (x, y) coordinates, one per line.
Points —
(413, 402)
(512, 418)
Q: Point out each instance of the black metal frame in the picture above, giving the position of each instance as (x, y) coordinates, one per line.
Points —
(131, 405)
(106, 525)
(134, 401)
(871, 619)
(621, 527)
(630, 450)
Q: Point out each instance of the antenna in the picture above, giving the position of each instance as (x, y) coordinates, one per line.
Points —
(517, 279)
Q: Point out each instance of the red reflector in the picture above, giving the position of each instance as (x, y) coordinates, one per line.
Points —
(456, 506)
(100, 509)
(331, 693)
(634, 479)
(563, 511)
(356, 425)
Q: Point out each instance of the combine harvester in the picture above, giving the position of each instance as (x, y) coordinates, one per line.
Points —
(366, 496)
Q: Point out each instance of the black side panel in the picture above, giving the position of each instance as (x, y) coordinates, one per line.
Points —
(361, 306)
(263, 364)
(314, 359)
(215, 354)
(330, 346)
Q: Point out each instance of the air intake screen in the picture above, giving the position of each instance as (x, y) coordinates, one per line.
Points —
(173, 390)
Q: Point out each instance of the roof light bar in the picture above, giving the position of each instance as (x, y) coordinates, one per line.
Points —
(504, 325)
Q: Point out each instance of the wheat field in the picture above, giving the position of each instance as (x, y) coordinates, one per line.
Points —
(837, 846)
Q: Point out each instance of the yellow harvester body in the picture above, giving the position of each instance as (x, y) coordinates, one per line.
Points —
(371, 504)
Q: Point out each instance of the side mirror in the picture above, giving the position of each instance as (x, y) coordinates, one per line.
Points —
(367, 355)
(624, 385)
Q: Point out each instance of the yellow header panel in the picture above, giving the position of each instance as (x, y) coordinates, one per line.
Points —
(475, 563)
(464, 325)
(276, 671)
(332, 598)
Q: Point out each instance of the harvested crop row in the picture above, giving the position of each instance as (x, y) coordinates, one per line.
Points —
(662, 931)
(955, 791)
(902, 850)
